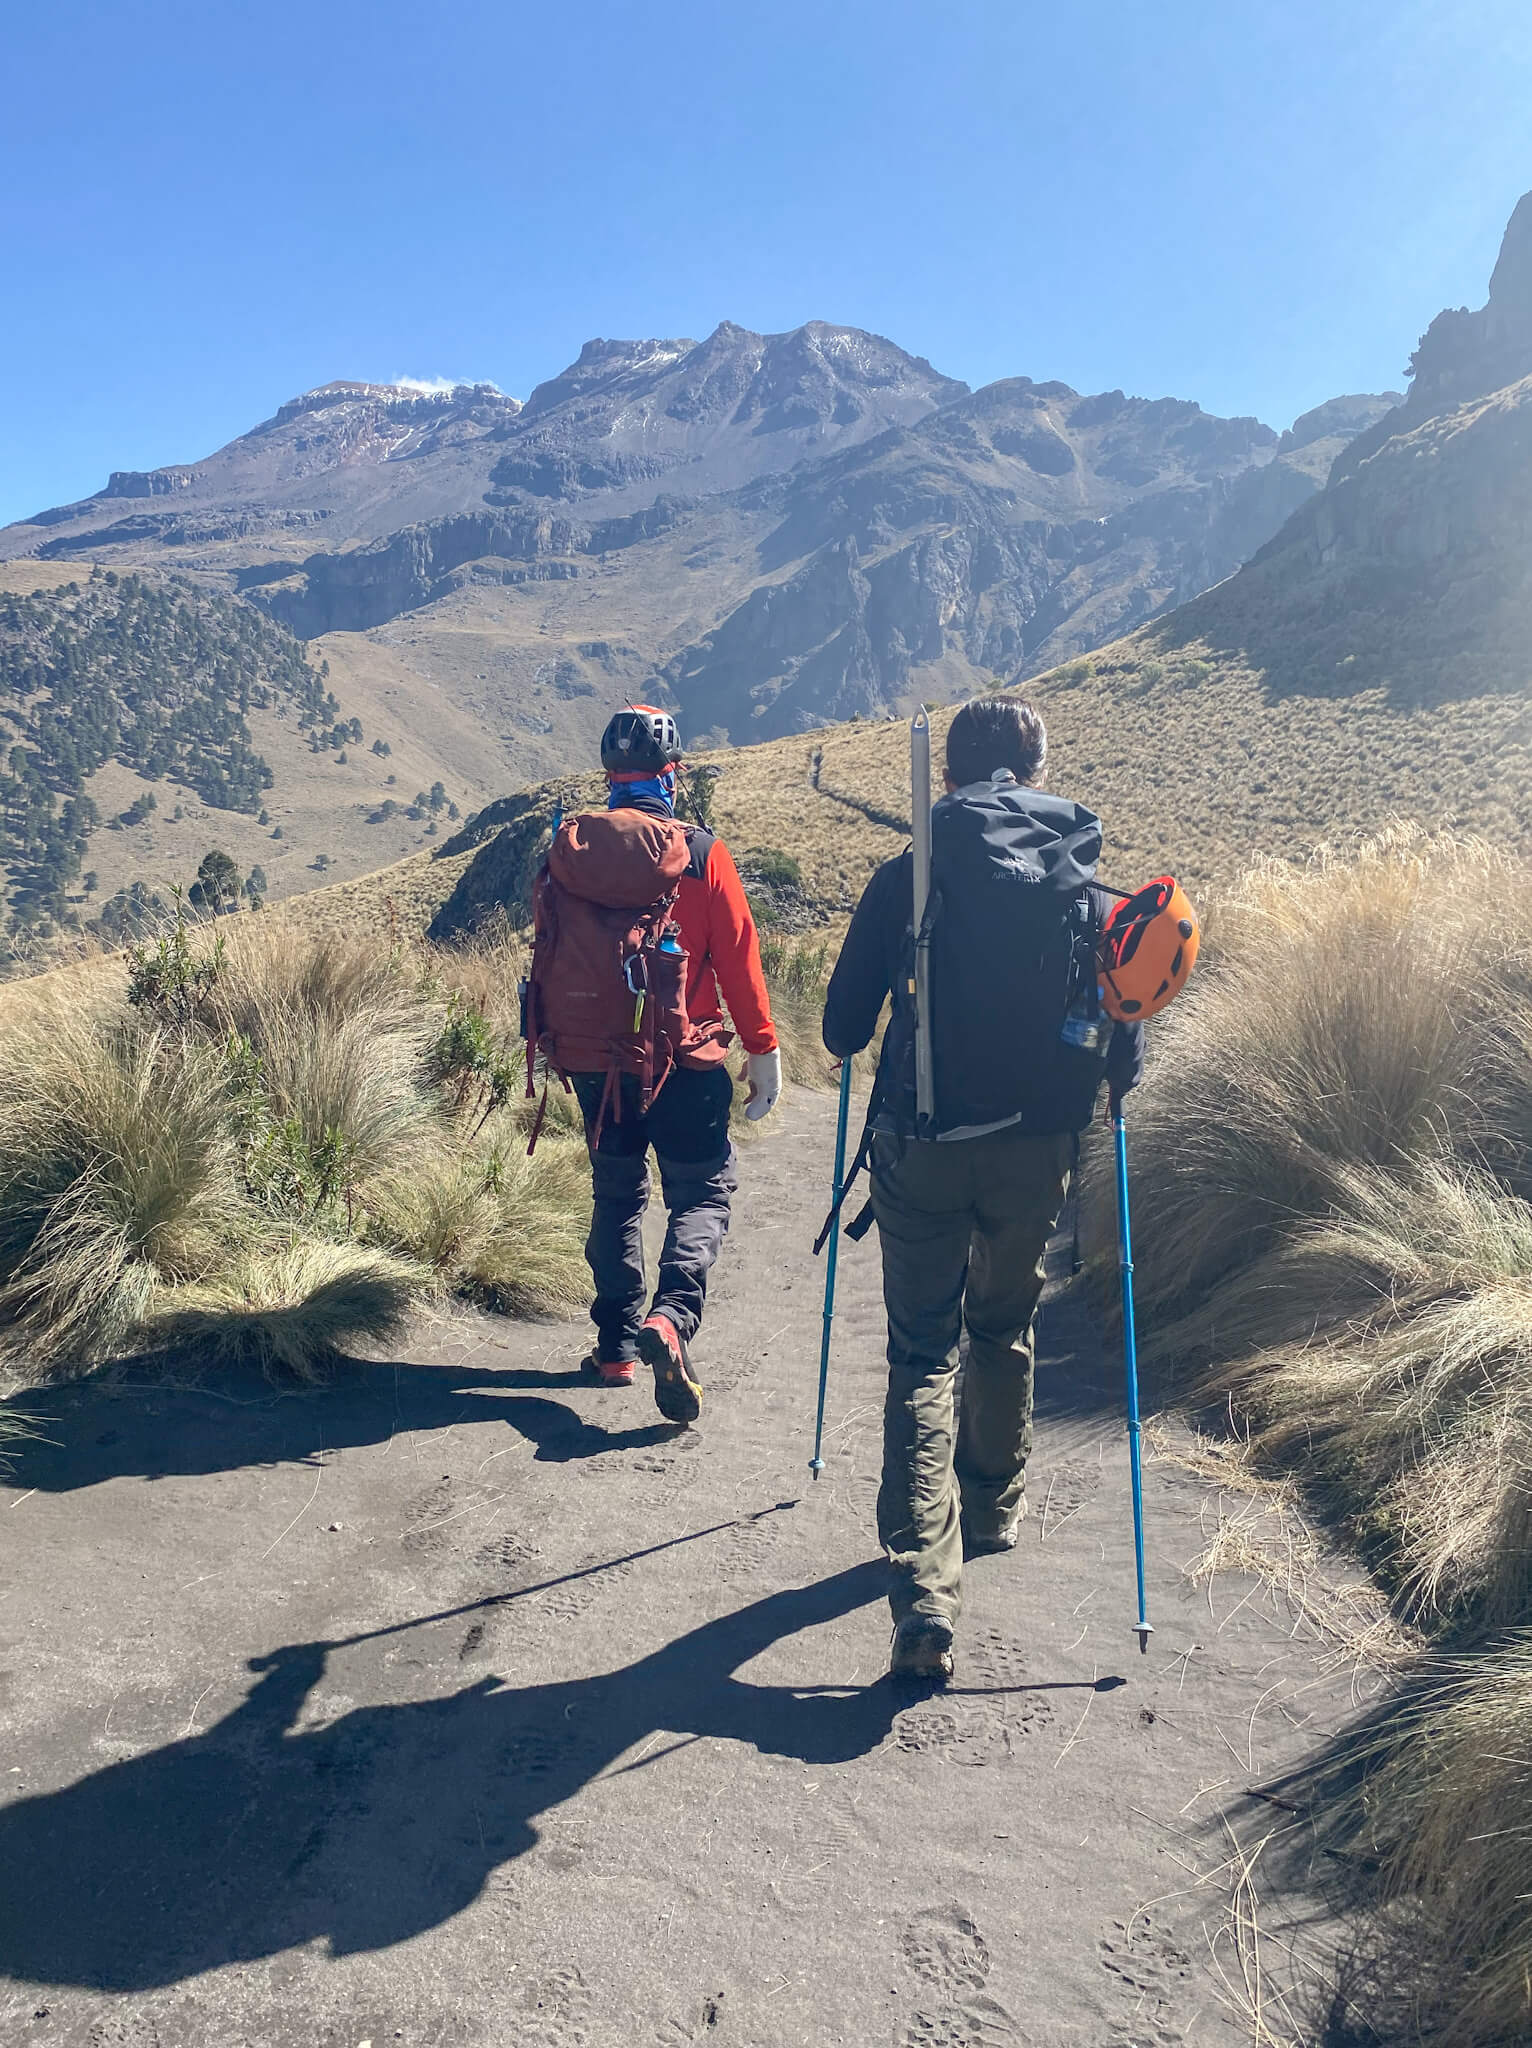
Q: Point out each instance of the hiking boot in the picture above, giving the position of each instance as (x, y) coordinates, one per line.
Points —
(676, 1393)
(989, 1542)
(922, 1649)
(607, 1372)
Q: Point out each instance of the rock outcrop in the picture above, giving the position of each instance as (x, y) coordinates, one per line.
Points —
(1444, 480)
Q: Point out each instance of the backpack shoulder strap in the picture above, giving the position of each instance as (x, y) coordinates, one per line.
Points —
(699, 846)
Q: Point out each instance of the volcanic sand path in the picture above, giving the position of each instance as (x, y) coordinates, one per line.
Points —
(627, 1768)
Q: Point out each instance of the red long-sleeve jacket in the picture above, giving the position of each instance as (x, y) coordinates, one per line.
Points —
(719, 934)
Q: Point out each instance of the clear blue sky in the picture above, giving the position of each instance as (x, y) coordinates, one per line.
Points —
(215, 205)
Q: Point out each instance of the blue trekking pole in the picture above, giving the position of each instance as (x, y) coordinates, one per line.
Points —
(1130, 1361)
(817, 1463)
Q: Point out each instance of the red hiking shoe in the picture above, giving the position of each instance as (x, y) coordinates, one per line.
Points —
(676, 1392)
(607, 1372)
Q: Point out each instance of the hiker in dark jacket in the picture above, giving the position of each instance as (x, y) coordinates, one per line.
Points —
(1020, 1048)
(686, 1123)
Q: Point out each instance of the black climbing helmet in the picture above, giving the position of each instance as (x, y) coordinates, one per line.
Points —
(639, 740)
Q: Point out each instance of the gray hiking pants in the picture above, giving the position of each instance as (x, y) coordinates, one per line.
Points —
(687, 1125)
(964, 1228)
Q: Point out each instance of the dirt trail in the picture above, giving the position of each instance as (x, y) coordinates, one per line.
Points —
(661, 1795)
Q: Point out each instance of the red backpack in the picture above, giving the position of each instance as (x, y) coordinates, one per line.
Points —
(607, 989)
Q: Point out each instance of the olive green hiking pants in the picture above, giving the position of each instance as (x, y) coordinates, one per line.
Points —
(964, 1228)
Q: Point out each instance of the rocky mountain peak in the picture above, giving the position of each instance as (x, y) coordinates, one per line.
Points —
(1510, 286)
(1465, 354)
(711, 415)
(413, 402)
(599, 366)
(1427, 513)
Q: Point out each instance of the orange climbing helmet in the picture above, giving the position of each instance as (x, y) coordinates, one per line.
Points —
(1148, 950)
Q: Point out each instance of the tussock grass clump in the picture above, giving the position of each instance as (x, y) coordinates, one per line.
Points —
(1336, 1170)
(1429, 1801)
(292, 1307)
(1453, 1773)
(1406, 1386)
(508, 1228)
(1362, 1011)
(120, 1178)
(271, 1150)
(1335, 1185)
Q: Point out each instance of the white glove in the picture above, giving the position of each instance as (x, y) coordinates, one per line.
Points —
(764, 1071)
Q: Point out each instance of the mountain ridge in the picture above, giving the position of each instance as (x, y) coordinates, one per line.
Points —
(769, 532)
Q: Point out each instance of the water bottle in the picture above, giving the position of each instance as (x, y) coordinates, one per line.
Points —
(669, 977)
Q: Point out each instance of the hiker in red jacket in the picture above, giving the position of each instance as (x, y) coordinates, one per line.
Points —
(640, 922)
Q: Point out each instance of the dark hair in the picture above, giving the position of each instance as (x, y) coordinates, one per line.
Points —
(996, 732)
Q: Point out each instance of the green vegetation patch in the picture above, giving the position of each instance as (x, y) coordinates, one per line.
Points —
(159, 675)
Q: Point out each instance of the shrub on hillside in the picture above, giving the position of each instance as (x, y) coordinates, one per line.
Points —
(770, 865)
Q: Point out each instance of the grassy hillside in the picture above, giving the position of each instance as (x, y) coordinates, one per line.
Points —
(147, 720)
(1193, 762)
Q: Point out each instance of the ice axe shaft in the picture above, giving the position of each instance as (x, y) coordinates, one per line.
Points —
(1130, 1364)
(817, 1463)
(920, 849)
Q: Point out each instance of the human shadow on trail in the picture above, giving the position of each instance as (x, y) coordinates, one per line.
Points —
(257, 1836)
(146, 1427)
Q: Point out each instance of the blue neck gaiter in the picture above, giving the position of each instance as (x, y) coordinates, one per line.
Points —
(652, 789)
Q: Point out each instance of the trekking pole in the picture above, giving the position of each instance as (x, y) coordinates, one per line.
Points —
(817, 1463)
(920, 847)
(1130, 1361)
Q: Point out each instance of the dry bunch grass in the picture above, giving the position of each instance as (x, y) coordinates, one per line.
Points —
(1339, 1249)
(1340, 1259)
(291, 1308)
(1364, 1010)
(1435, 1794)
(510, 1228)
(280, 1173)
(1240, 1952)
(120, 1178)
(1410, 1402)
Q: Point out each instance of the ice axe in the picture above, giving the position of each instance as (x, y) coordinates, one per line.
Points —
(1130, 1365)
(920, 858)
(837, 1195)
